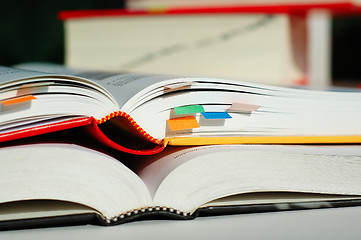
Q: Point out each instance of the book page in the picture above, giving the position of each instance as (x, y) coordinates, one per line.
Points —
(11, 74)
(41, 94)
(157, 167)
(70, 173)
(122, 86)
(190, 177)
(38, 72)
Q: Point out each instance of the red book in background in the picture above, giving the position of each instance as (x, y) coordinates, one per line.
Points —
(225, 42)
(208, 7)
(229, 40)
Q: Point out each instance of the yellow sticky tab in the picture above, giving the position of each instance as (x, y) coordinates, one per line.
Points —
(18, 100)
(188, 141)
(183, 123)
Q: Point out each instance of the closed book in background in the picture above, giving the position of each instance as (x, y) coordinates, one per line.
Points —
(216, 43)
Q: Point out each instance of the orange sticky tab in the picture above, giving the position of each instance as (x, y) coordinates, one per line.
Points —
(18, 100)
(183, 123)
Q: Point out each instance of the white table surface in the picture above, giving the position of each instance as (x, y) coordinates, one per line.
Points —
(336, 223)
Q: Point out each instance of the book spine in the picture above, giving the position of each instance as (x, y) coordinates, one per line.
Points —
(275, 207)
(133, 123)
(129, 124)
(56, 221)
(92, 125)
(149, 213)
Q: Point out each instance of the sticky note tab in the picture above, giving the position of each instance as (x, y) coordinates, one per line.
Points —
(188, 109)
(183, 123)
(216, 115)
(31, 88)
(243, 108)
(178, 86)
(18, 100)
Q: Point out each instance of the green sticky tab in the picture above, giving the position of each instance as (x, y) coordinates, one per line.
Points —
(189, 109)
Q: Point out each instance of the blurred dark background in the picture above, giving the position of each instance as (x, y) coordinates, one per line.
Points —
(346, 49)
(31, 31)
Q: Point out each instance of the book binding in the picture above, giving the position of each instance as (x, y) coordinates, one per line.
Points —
(165, 213)
(92, 125)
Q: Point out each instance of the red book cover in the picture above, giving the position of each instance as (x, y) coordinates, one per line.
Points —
(298, 8)
(92, 126)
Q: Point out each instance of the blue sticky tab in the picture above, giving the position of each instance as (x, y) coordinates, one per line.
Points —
(216, 115)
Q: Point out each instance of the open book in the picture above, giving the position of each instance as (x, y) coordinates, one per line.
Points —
(141, 114)
(57, 184)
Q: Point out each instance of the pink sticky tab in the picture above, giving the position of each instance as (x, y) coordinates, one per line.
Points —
(243, 108)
